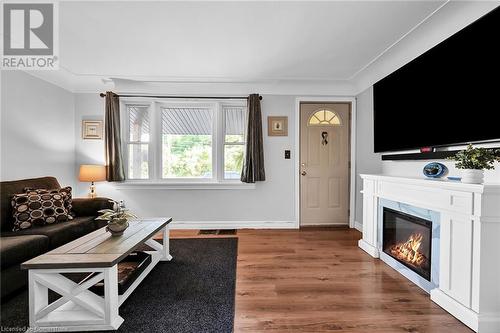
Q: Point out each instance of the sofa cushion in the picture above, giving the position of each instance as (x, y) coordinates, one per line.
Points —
(62, 233)
(9, 188)
(17, 249)
(13, 278)
(38, 207)
(90, 206)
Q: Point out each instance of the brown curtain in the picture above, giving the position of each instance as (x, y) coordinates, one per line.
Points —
(115, 171)
(253, 167)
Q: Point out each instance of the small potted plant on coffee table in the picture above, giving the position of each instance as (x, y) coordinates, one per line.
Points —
(473, 161)
(117, 218)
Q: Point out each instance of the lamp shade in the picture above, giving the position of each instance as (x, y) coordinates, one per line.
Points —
(92, 173)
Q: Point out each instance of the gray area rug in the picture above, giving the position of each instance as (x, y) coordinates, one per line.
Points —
(192, 293)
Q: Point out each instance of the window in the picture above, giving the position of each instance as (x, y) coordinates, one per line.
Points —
(324, 117)
(234, 141)
(185, 141)
(138, 142)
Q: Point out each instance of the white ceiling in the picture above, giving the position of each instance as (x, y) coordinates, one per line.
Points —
(235, 42)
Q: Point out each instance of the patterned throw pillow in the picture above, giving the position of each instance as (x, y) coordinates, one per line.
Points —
(35, 208)
(68, 199)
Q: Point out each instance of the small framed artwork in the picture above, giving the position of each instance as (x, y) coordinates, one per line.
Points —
(277, 126)
(92, 129)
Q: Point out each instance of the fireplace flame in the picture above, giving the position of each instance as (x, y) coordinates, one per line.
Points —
(408, 251)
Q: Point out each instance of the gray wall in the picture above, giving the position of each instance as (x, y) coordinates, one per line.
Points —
(271, 202)
(366, 160)
(37, 129)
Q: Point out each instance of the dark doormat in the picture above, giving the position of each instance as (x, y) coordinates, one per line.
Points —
(192, 293)
(217, 232)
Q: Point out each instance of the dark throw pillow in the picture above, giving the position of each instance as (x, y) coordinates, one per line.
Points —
(68, 198)
(35, 208)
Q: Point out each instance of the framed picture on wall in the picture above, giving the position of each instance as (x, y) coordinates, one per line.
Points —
(277, 126)
(92, 129)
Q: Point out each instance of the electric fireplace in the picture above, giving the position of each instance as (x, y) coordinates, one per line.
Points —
(407, 239)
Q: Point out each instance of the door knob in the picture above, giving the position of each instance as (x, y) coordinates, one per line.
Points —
(303, 173)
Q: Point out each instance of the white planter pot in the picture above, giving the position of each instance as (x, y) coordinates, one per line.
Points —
(117, 228)
(472, 176)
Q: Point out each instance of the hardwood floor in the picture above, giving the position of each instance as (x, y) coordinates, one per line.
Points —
(318, 280)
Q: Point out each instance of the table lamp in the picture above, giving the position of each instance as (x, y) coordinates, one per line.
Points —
(92, 173)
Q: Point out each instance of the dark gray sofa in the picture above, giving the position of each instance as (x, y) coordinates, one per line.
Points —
(17, 247)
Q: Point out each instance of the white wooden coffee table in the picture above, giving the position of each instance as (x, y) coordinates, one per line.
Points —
(79, 309)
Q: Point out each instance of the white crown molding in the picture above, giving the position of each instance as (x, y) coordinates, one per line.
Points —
(444, 23)
(279, 87)
(192, 86)
(397, 41)
(60, 78)
(72, 82)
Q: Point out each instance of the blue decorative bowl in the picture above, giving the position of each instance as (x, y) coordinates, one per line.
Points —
(435, 170)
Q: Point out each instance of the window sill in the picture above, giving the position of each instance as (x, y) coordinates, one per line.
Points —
(141, 185)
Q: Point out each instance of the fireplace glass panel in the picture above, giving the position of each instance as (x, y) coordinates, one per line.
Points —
(407, 239)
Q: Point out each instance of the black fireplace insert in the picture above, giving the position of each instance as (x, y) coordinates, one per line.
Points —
(408, 239)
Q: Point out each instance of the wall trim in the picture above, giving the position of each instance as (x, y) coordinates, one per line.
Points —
(368, 248)
(352, 180)
(448, 19)
(466, 315)
(358, 226)
(397, 41)
(132, 185)
(233, 225)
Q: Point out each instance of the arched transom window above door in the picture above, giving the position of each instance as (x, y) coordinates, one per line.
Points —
(324, 117)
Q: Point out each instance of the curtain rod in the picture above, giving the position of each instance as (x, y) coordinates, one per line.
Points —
(194, 97)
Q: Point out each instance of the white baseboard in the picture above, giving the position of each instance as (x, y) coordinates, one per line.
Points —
(358, 226)
(484, 323)
(465, 315)
(233, 225)
(371, 250)
(489, 323)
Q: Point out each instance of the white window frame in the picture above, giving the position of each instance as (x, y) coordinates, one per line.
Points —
(213, 108)
(126, 137)
(222, 138)
(155, 180)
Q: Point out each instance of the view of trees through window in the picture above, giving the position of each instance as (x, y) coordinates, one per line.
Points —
(233, 161)
(187, 142)
(234, 141)
(187, 156)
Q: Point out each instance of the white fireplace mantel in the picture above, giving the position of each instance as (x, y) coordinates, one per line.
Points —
(469, 259)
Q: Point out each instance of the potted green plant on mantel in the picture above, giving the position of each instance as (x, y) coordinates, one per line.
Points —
(473, 161)
(117, 218)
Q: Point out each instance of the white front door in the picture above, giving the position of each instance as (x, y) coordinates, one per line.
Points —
(324, 163)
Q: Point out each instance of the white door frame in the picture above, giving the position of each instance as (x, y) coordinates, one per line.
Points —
(352, 185)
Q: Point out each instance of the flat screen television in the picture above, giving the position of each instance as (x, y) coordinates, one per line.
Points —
(447, 96)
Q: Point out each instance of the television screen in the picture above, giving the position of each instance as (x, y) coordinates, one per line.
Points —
(448, 95)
